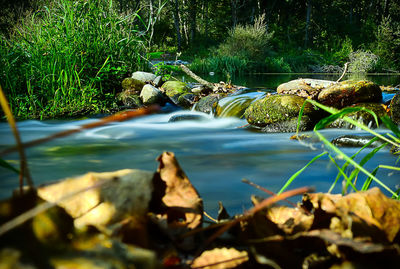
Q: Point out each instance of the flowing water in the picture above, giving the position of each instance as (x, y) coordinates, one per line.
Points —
(215, 153)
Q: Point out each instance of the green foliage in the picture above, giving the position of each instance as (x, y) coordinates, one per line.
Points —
(249, 42)
(277, 65)
(362, 61)
(220, 65)
(69, 58)
(388, 44)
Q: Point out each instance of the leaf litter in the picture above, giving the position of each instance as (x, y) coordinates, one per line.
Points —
(132, 218)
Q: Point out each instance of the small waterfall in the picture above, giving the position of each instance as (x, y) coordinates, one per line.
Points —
(235, 105)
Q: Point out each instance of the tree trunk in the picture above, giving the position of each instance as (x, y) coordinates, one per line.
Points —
(308, 18)
(193, 15)
(177, 27)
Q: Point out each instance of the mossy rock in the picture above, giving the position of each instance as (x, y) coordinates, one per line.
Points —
(207, 104)
(130, 99)
(151, 95)
(395, 108)
(133, 85)
(350, 92)
(187, 100)
(276, 108)
(289, 126)
(361, 116)
(174, 89)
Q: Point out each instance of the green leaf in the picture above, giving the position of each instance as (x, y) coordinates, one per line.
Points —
(5, 164)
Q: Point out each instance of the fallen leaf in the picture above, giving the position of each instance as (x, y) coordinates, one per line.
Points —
(185, 207)
(220, 258)
(290, 220)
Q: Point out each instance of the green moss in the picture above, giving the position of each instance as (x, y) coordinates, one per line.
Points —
(276, 108)
(132, 84)
(174, 88)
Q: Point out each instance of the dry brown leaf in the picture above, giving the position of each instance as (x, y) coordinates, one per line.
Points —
(366, 213)
(185, 207)
(127, 193)
(290, 220)
(220, 258)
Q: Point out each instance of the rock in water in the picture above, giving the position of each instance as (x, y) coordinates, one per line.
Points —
(362, 116)
(130, 99)
(121, 193)
(277, 108)
(395, 109)
(174, 89)
(308, 88)
(350, 92)
(207, 104)
(151, 95)
(143, 76)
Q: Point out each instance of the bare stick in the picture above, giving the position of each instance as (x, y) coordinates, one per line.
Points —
(196, 77)
(344, 72)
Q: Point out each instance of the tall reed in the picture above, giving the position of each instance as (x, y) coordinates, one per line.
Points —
(69, 57)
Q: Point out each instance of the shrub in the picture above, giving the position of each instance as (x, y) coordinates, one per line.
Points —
(220, 64)
(247, 41)
(388, 44)
(362, 61)
(277, 65)
(69, 57)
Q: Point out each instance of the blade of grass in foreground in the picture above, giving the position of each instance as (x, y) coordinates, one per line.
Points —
(351, 161)
(295, 175)
(24, 170)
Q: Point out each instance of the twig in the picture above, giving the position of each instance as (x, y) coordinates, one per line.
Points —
(196, 77)
(245, 180)
(126, 115)
(344, 72)
(265, 203)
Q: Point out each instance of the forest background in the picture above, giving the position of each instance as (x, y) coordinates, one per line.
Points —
(63, 58)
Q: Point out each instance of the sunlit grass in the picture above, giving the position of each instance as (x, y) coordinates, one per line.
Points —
(69, 58)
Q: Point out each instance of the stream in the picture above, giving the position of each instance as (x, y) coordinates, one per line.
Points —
(215, 153)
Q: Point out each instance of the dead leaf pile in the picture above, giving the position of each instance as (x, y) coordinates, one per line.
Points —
(133, 218)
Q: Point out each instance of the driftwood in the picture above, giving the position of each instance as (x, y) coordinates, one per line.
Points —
(220, 87)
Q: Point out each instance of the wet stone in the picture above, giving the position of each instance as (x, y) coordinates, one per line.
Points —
(395, 109)
(350, 92)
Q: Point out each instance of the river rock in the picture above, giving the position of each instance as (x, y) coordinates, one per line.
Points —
(174, 89)
(187, 117)
(151, 95)
(361, 116)
(207, 104)
(143, 76)
(276, 108)
(357, 141)
(307, 88)
(187, 100)
(158, 81)
(112, 196)
(130, 99)
(395, 108)
(350, 92)
(289, 126)
(132, 85)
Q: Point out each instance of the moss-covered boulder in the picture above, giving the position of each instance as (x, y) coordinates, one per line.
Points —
(290, 125)
(133, 85)
(187, 100)
(350, 92)
(361, 116)
(207, 104)
(130, 99)
(174, 89)
(395, 108)
(308, 88)
(277, 108)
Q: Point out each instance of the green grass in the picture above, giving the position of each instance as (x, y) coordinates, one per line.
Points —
(351, 169)
(69, 59)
